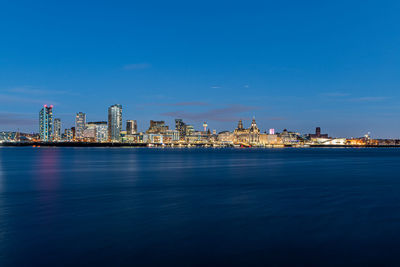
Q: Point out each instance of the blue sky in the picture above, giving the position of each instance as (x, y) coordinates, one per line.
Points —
(291, 64)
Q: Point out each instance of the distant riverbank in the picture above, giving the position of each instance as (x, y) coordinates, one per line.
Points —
(110, 144)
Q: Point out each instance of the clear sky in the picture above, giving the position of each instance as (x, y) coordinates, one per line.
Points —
(291, 64)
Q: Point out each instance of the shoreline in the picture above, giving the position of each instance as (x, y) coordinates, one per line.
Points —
(91, 144)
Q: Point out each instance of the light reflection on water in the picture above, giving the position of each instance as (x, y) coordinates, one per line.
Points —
(198, 206)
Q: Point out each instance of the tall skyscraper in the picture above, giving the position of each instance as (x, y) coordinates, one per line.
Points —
(180, 126)
(131, 127)
(114, 123)
(57, 130)
(46, 123)
(80, 123)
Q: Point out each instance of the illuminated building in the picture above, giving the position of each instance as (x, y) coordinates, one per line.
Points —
(271, 131)
(80, 124)
(96, 131)
(250, 135)
(171, 136)
(189, 129)
(114, 123)
(254, 133)
(46, 123)
(57, 130)
(226, 137)
(193, 137)
(153, 138)
(68, 135)
(289, 137)
(205, 126)
(180, 126)
(89, 133)
(131, 127)
(269, 139)
(157, 127)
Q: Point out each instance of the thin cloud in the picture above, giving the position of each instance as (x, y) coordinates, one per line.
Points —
(226, 114)
(182, 104)
(177, 104)
(336, 94)
(370, 99)
(137, 66)
(215, 87)
(277, 118)
(15, 119)
(31, 90)
(18, 99)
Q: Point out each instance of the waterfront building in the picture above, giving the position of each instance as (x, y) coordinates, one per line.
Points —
(269, 139)
(157, 127)
(57, 130)
(271, 131)
(226, 137)
(46, 123)
(98, 131)
(194, 137)
(153, 138)
(114, 123)
(134, 138)
(171, 136)
(180, 126)
(89, 133)
(68, 135)
(189, 129)
(131, 127)
(80, 124)
(254, 133)
(247, 136)
(289, 137)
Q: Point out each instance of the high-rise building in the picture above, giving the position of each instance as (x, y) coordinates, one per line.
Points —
(271, 131)
(180, 126)
(80, 124)
(57, 130)
(114, 123)
(46, 123)
(131, 127)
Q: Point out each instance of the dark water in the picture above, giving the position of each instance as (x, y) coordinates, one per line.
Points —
(163, 207)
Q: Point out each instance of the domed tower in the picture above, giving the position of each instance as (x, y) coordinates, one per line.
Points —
(254, 133)
(253, 127)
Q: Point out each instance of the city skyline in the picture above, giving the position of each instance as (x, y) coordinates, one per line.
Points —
(261, 59)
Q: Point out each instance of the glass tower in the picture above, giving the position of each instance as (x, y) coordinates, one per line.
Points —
(114, 123)
(57, 130)
(46, 123)
(80, 124)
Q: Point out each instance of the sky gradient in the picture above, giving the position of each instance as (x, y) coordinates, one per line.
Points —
(291, 64)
